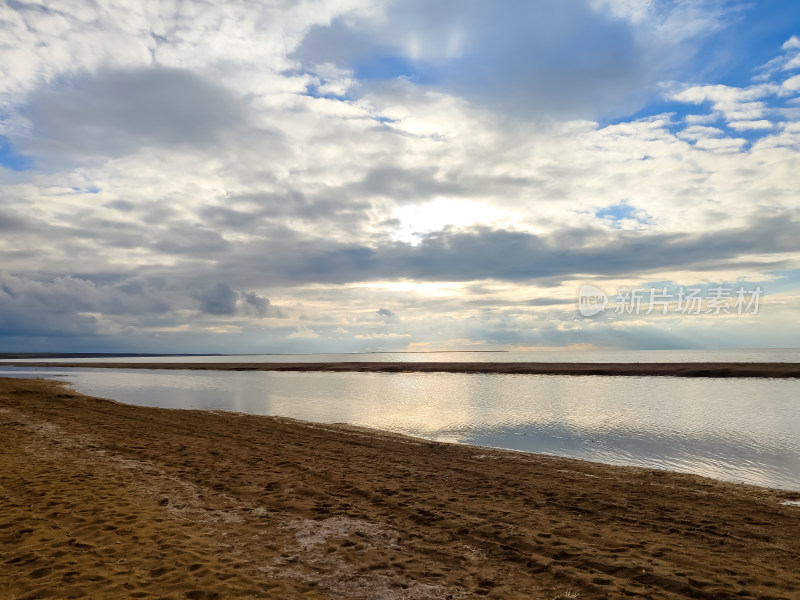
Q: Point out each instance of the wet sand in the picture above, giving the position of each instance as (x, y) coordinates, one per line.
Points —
(705, 369)
(104, 500)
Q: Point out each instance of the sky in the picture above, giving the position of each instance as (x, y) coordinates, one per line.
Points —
(391, 175)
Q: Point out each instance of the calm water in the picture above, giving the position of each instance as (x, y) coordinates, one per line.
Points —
(743, 430)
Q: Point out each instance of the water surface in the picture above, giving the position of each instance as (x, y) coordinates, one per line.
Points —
(743, 430)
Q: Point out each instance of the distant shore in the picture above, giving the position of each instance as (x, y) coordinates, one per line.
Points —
(106, 500)
(694, 369)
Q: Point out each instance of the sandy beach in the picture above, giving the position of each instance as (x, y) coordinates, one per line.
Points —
(683, 369)
(104, 500)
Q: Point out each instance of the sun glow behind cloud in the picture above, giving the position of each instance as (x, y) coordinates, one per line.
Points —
(416, 221)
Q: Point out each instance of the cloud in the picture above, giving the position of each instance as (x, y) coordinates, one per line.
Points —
(544, 58)
(793, 43)
(72, 305)
(495, 254)
(116, 112)
(71, 295)
(264, 175)
(722, 145)
(786, 61)
(792, 84)
(386, 313)
(303, 333)
(697, 132)
(260, 306)
(748, 125)
(222, 300)
(219, 300)
(194, 240)
(752, 104)
(733, 102)
(382, 336)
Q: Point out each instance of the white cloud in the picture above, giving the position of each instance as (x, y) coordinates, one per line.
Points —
(732, 102)
(750, 125)
(303, 333)
(697, 132)
(788, 61)
(382, 336)
(792, 84)
(635, 10)
(793, 43)
(700, 119)
(244, 43)
(582, 59)
(721, 145)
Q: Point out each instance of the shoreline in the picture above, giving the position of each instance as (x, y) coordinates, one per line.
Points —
(104, 499)
(697, 369)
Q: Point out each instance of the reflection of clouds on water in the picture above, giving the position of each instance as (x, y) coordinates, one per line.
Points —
(735, 429)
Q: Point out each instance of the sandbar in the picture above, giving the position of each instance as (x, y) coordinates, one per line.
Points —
(683, 369)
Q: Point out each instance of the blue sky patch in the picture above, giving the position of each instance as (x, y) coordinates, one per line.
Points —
(388, 66)
(10, 159)
(621, 212)
(753, 37)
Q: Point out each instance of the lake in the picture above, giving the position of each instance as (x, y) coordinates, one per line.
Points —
(742, 430)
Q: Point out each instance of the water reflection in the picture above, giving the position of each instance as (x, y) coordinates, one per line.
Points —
(734, 429)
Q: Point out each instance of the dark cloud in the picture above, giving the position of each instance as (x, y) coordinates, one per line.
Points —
(10, 222)
(260, 306)
(75, 305)
(120, 205)
(553, 57)
(485, 253)
(219, 300)
(71, 306)
(109, 233)
(244, 211)
(549, 301)
(414, 185)
(192, 240)
(493, 302)
(29, 324)
(115, 112)
(278, 256)
(223, 300)
(73, 294)
(500, 254)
